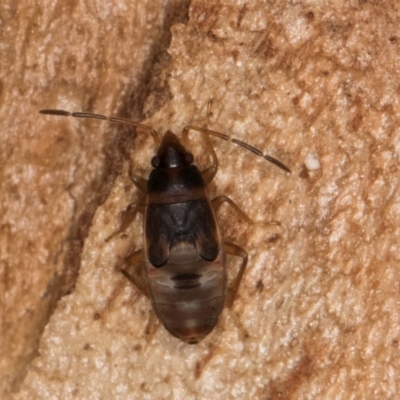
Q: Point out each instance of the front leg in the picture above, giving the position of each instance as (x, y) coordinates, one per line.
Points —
(138, 181)
(209, 173)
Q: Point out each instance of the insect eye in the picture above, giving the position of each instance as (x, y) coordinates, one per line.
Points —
(155, 161)
(188, 158)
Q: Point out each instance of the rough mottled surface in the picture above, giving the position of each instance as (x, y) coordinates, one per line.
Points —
(56, 54)
(320, 298)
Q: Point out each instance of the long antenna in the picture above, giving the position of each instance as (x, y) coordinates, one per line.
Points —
(114, 120)
(156, 137)
(247, 146)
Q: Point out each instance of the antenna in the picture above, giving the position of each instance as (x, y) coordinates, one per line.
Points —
(156, 137)
(114, 120)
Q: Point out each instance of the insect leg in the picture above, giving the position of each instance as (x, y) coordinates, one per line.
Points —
(127, 217)
(151, 323)
(209, 173)
(133, 261)
(218, 201)
(235, 250)
(137, 279)
(138, 181)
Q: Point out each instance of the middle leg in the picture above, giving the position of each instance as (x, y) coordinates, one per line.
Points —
(127, 218)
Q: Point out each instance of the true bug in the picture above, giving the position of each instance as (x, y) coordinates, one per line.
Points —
(181, 268)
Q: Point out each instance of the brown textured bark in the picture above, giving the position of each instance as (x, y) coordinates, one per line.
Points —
(314, 85)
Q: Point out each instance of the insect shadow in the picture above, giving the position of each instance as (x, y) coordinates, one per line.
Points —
(182, 266)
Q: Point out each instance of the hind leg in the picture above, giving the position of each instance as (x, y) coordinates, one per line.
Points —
(136, 277)
(233, 288)
(235, 250)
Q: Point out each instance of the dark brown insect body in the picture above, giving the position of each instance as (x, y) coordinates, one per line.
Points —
(182, 266)
(185, 258)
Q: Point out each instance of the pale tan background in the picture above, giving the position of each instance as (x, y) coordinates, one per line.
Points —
(321, 295)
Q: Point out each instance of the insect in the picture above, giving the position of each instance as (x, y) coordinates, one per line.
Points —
(182, 266)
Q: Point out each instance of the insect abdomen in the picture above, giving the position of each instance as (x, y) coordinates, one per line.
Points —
(188, 292)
